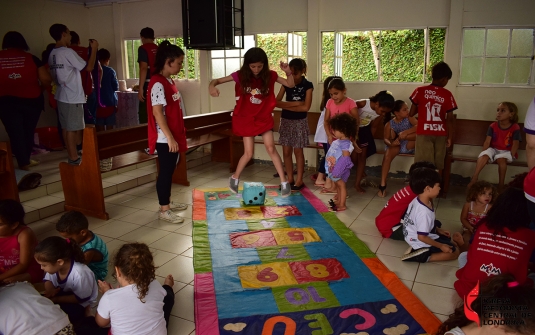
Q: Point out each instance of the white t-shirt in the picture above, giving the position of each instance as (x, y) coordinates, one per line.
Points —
(321, 135)
(80, 281)
(367, 114)
(25, 311)
(419, 220)
(65, 66)
(128, 315)
(157, 97)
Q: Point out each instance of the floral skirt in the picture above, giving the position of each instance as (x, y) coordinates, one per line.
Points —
(294, 133)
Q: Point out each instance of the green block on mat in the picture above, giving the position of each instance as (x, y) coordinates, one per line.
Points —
(348, 236)
(288, 253)
(304, 297)
(202, 257)
(267, 224)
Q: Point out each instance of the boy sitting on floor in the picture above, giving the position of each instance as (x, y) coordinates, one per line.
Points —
(422, 232)
(74, 225)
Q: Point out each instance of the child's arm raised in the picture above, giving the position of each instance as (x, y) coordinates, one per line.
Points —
(212, 87)
(464, 218)
(27, 242)
(289, 81)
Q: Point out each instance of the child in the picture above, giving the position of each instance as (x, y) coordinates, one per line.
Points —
(390, 219)
(338, 159)
(73, 225)
(65, 67)
(166, 126)
(503, 243)
(68, 282)
(434, 105)
(479, 200)
(429, 243)
(108, 96)
(369, 110)
(320, 136)
(146, 55)
(338, 104)
(254, 104)
(140, 305)
(293, 128)
(399, 136)
(503, 288)
(501, 144)
(17, 244)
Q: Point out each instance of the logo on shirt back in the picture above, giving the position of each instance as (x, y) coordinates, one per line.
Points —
(15, 76)
(490, 270)
(433, 112)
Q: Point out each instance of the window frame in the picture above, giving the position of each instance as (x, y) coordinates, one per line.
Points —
(426, 48)
(531, 82)
(185, 65)
(288, 56)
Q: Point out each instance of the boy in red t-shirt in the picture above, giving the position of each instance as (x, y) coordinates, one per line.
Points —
(389, 221)
(434, 105)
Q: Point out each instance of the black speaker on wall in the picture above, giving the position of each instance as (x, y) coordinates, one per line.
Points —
(212, 24)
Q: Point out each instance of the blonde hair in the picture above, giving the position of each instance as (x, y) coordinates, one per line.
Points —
(512, 108)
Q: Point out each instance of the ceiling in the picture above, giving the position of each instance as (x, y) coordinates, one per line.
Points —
(90, 3)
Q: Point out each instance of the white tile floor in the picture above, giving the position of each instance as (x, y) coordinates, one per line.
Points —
(133, 218)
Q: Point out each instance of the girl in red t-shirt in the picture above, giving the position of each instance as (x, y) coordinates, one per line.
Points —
(252, 117)
(17, 244)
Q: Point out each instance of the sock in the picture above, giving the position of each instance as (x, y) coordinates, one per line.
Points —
(284, 183)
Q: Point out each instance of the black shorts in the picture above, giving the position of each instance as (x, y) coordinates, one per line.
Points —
(366, 140)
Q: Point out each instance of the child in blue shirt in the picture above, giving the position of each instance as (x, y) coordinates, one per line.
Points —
(74, 225)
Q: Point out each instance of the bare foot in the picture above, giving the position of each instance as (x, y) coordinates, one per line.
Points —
(360, 189)
(458, 238)
(340, 208)
(169, 281)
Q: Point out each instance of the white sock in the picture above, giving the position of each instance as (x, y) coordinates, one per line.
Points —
(284, 183)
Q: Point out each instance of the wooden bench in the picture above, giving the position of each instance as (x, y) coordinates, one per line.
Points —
(8, 181)
(82, 185)
(474, 133)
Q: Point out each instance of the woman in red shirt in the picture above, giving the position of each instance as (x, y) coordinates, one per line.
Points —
(22, 78)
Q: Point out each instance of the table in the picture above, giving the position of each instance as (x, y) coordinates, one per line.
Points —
(127, 109)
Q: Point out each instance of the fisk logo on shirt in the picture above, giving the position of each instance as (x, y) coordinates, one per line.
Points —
(433, 111)
(434, 127)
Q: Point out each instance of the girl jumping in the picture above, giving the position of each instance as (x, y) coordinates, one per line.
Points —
(255, 101)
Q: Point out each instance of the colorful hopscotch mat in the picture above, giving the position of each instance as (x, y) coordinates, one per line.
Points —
(291, 267)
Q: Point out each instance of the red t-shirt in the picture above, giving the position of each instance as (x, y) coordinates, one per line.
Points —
(433, 102)
(173, 114)
(19, 74)
(502, 139)
(394, 209)
(150, 49)
(489, 255)
(529, 186)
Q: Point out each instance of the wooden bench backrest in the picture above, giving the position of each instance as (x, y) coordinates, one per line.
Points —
(474, 132)
(312, 121)
(120, 141)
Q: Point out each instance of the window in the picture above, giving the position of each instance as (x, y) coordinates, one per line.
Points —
(278, 47)
(382, 55)
(189, 70)
(497, 56)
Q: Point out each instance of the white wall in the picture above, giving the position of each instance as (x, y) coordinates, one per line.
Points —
(111, 24)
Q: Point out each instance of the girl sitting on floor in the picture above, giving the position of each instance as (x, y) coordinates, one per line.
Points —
(479, 200)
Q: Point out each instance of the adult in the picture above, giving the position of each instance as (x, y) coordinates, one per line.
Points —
(529, 128)
(22, 79)
(146, 55)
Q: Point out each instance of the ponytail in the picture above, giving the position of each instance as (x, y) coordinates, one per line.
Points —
(166, 52)
(135, 262)
(505, 288)
(54, 248)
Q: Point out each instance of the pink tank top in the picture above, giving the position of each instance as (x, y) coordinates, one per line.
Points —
(474, 217)
(10, 256)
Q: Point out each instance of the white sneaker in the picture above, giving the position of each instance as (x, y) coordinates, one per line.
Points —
(286, 189)
(233, 184)
(178, 206)
(170, 216)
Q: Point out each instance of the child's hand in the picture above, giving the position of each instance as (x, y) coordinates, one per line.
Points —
(52, 293)
(93, 43)
(173, 145)
(357, 148)
(103, 286)
(448, 142)
(443, 232)
(396, 142)
(446, 248)
(214, 91)
(286, 68)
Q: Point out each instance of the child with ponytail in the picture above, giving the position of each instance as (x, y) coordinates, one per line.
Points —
(140, 305)
(503, 288)
(68, 281)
